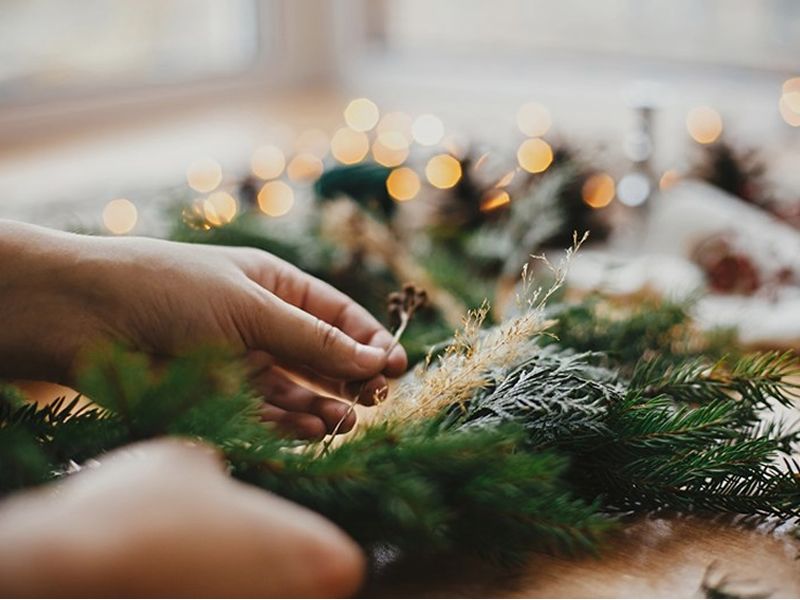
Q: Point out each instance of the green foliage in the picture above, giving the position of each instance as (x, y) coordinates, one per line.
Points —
(365, 183)
(422, 488)
(452, 272)
(537, 459)
(653, 328)
(252, 230)
(686, 438)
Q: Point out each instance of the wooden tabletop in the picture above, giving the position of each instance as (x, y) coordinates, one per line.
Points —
(684, 557)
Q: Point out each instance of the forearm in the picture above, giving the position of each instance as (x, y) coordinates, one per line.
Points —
(46, 299)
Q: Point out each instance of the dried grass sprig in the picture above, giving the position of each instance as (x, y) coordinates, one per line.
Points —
(472, 360)
(401, 307)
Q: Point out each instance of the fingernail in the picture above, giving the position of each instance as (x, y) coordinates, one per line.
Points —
(369, 356)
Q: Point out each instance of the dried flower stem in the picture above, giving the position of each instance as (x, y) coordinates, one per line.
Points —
(402, 307)
(473, 358)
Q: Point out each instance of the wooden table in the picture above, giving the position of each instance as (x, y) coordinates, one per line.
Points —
(651, 557)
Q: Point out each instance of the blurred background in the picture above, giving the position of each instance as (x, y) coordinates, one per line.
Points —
(492, 130)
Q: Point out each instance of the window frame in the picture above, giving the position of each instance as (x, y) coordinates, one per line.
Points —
(284, 59)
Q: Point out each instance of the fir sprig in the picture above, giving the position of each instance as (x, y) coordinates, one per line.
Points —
(536, 454)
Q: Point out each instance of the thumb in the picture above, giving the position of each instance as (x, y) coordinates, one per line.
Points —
(292, 335)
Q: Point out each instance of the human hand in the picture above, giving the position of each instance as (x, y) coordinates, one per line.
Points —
(163, 519)
(305, 340)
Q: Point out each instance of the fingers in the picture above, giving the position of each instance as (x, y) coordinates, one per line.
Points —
(397, 362)
(299, 411)
(366, 391)
(267, 323)
(327, 304)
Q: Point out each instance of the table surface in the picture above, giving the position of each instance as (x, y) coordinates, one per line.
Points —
(650, 557)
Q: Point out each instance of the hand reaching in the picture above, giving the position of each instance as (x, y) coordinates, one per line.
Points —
(307, 343)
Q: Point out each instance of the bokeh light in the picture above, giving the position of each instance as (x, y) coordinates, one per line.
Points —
(304, 167)
(506, 179)
(120, 216)
(219, 208)
(494, 200)
(669, 178)
(791, 85)
(789, 103)
(402, 184)
(791, 117)
(443, 171)
(427, 130)
(268, 162)
(393, 140)
(534, 155)
(792, 100)
(361, 114)
(349, 146)
(633, 189)
(313, 141)
(483, 159)
(598, 190)
(275, 198)
(396, 122)
(533, 119)
(704, 124)
(387, 155)
(204, 175)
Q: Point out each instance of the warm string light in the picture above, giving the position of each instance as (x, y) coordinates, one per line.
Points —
(304, 167)
(669, 178)
(219, 208)
(398, 123)
(789, 103)
(506, 179)
(427, 130)
(390, 148)
(276, 198)
(349, 146)
(704, 124)
(535, 155)
(598, 190)
(120, 216)
(443, 171)
(204, 175)
(268, 162)
(481, 162)
(402, 184)
(195, 217)
(361, 114)
(495, 200)
(313, 141)
(533, 119)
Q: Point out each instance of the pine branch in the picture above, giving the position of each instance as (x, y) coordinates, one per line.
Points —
(420, 487)
(756, 380)
(423, 488)
(624, 335)
(526, 455)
